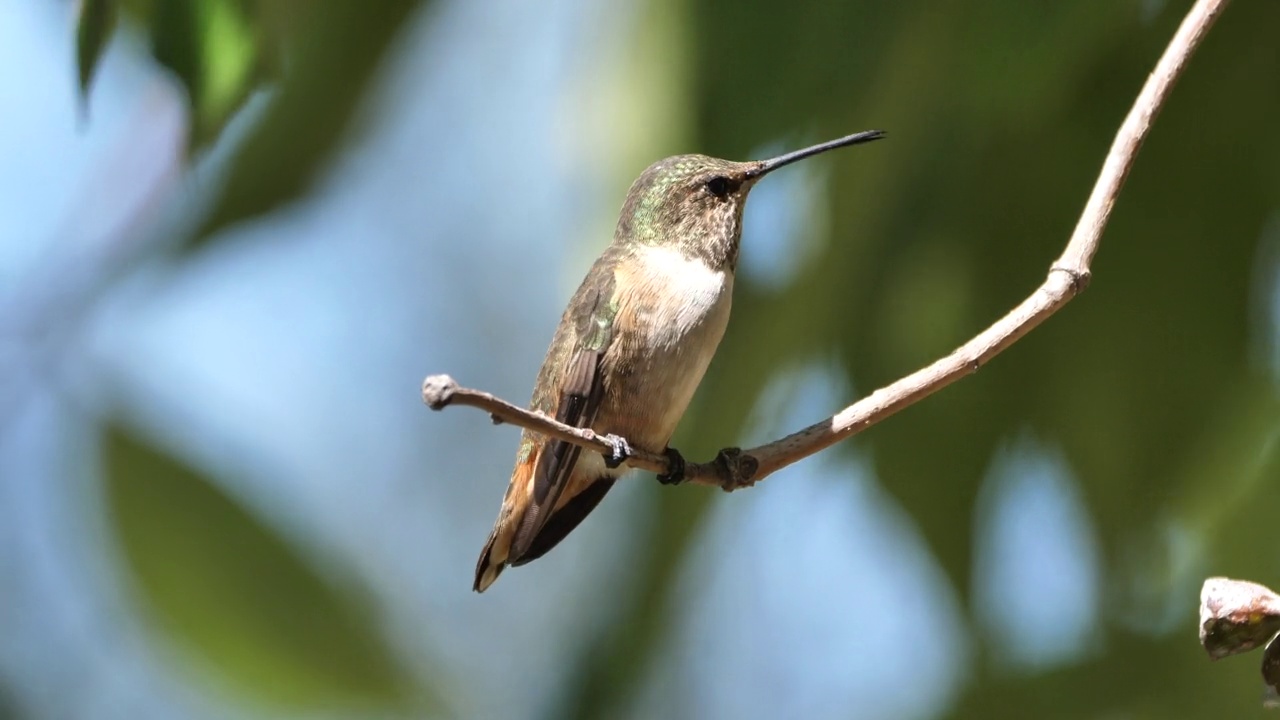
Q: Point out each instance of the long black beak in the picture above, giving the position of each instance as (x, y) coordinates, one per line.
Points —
(768, 166)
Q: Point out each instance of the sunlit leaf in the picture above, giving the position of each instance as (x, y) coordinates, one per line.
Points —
(231, 53)
(212, 47)
(222, 584)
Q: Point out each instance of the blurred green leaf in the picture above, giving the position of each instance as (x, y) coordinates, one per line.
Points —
(93, 31)
(224, 585)
(1135, 677)
(212, 47)
(221, 50)
(337, 56)
(176, 43)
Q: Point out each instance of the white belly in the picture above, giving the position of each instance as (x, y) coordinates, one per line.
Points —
(685, 297)
(671, 320)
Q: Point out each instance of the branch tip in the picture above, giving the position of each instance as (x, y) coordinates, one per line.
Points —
(437, 391)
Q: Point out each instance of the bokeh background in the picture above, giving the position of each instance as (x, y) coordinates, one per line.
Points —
(236, 234)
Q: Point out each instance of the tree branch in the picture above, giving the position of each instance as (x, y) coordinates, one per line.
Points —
(1068, 276)
(1237, 616)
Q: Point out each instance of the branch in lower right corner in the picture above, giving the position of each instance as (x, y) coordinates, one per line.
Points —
(1237, 616)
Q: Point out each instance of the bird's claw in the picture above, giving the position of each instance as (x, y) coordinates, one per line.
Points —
(675, 468)
(619, 451)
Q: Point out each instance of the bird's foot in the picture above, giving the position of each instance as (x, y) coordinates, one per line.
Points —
(620, 450)
(675, 468)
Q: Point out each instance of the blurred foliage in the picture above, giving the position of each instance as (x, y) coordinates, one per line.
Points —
(318, 57)
(210, 45)
(336, 60)
(999, 113)
(224, 585)
(97, 21)
(219, 580)
(217, 49)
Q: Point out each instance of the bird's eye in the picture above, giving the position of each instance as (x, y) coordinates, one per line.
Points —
(718, 186)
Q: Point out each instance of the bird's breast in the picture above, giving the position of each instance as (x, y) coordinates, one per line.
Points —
(672, 313)
(674, 298)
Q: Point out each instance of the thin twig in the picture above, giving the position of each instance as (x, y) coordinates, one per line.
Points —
(1068, 276)
(440, 391)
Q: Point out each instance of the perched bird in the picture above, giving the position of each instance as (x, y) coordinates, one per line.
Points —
(633, 345)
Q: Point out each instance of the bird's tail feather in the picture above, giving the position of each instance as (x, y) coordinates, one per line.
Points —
(486, 569)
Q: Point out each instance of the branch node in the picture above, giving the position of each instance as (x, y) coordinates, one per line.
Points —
(736, 469)
(675, 468)
(437, 391)
(1079, 278)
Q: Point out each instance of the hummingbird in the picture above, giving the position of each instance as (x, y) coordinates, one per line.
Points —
(632, 346)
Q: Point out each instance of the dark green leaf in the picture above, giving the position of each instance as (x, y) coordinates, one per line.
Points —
(176, 43)
(228, 588)
(93, 32)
